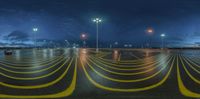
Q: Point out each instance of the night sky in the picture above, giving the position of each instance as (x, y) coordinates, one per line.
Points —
(123, 20)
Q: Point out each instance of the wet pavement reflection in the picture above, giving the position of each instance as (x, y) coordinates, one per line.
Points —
(109, 74)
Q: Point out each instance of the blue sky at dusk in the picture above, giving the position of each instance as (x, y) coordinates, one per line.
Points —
(122, 20)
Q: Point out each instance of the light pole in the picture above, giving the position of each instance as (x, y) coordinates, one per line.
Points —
(44, 43)
(150, 32)
(97, 21)
(162, 37)
(84, 37)
(66, 41)
(35, 30)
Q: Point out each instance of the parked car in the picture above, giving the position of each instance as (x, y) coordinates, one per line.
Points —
(8, 52)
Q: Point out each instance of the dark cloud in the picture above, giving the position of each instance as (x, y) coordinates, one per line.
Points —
(123, 20)
(18, 35)
(197, 43)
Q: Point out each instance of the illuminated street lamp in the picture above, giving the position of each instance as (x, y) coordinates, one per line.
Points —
(162, 37)
(150, 32)
(97, 21)
(35, 30)
(84, 37)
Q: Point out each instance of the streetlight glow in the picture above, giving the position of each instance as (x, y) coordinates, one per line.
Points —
(162, 35)
(35, 29)
(83, 35)
(150, 31)
(97, 20)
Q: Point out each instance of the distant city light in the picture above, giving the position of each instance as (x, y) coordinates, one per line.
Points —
(130, 45)
(125, 45)
(116, 43)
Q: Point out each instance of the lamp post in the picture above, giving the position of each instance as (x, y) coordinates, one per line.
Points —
(84, 37)
(35, 30)
(150, 32)
(97, 21)
(162, 37)
(44, 43)
(66, 41)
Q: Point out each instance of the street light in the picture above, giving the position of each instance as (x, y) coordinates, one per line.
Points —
(66, 41)
(150, 32)
(97, 21)
(35, 30)
(84, 37)
(162, 37)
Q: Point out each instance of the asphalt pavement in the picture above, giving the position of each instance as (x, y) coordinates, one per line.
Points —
(107, 74)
